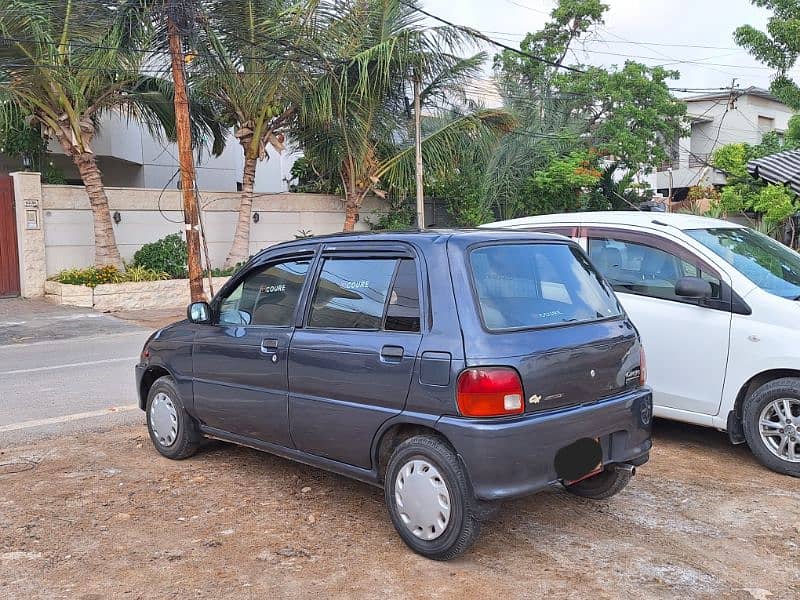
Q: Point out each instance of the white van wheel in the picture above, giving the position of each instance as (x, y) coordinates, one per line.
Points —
(771, 423)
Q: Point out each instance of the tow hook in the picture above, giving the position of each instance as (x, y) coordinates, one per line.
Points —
(625, 467)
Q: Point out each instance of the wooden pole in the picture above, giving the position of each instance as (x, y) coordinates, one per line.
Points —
(186, 161)
(418, 141)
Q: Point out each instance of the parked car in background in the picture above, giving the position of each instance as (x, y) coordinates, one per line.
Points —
(717, 307)
(454, 369)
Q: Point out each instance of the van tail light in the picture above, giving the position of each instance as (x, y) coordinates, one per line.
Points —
(490, 392)
(642, 367)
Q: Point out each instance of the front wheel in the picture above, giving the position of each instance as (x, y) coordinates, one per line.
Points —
(771, 423)
(429, 499)
(172, 430)
(601, 486)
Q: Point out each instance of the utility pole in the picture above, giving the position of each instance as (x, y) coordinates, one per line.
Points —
(418, 140)
(669, 196)
(185, 158)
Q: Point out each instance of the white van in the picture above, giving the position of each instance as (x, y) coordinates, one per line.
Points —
(717, 306)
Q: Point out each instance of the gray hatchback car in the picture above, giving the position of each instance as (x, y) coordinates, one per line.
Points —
(455, 369)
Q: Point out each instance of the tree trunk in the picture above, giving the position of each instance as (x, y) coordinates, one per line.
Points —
(240, 249)
(105, 244)
(183, 133)
(352, 202)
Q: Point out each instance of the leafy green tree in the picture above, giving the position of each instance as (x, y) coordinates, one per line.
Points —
(778, 47)
(20, 139)
(253, 70)
(563, 185)
(67, 63)
(616, 189)
(355, 120)
(461, 187)
(621, 115)
(743, 192)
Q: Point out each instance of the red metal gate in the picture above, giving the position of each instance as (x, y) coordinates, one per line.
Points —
(9, 257)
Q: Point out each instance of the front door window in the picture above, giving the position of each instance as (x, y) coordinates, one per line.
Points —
(267, 297)
(638, 268)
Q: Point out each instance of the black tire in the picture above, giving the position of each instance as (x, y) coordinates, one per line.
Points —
(463, 526)
(603, 485)
(187, 439)
(787, 387)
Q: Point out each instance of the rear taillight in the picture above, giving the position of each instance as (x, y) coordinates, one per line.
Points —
(642, 367)
(490, 392)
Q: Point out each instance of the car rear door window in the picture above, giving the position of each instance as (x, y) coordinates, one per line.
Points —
(352, 293)
(266, 297)
(402, 314)
(636, 268)
(538, 285)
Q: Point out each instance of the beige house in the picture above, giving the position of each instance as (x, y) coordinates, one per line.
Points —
(50, 227)
(715, 120)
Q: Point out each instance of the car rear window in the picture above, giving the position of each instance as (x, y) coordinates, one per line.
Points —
(522, 286)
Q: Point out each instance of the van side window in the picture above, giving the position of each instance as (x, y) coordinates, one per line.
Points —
(352, 293)
(640, 269)
(266, 297)
(402, 313)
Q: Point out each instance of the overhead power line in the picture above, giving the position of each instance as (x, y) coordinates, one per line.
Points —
(270, 52)
(480, 35)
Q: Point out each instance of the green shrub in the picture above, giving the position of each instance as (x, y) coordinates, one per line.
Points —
(94, 276)
(142, 274)
(90, 276)
(228, 271)
(167, 255)
(402, 215)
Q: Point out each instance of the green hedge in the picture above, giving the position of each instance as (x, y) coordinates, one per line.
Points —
(168, 255)
(94, 276)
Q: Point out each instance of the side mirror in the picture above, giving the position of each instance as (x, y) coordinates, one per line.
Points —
(692, 287)
(199, 312)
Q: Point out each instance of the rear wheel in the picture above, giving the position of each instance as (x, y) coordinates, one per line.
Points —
(771, 423)
(172, 430)
(429, 499)
(601, 486)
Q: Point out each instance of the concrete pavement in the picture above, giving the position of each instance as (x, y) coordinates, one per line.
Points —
(30, 320)
(73, 371)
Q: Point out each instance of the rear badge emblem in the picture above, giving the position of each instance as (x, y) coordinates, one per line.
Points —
(592, 373)
(535, 399)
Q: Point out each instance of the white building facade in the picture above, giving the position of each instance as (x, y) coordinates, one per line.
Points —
(716, 120)
(129, 156)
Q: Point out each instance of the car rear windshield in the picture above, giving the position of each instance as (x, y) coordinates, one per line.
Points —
(521, 286)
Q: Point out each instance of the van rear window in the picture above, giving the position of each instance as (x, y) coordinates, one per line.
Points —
(521, 286)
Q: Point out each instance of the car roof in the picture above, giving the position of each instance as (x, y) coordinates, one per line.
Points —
(418, 236)
(619, 217)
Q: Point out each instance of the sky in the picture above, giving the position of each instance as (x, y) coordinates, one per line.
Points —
(635, 29)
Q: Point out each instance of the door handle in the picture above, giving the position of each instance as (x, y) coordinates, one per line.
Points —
(269, 346)
(393, 353)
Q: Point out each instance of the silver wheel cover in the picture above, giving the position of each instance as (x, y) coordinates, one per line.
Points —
(779, 426)
(422, 499)
(164, 420)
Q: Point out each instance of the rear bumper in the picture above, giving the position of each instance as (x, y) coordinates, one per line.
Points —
(513, 457)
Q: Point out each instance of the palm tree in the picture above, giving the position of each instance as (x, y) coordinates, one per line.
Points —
(354, 121)
(66, 63)
(251, 69)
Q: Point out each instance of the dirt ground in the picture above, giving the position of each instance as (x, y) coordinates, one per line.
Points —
(103, 516)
